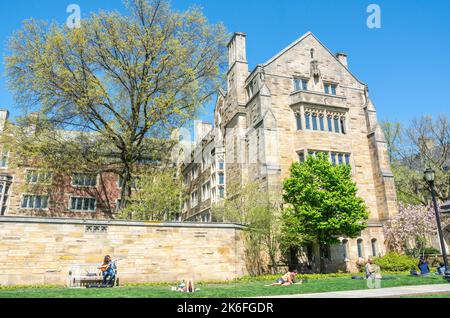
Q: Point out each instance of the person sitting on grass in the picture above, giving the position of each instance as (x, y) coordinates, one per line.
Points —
(424, 268)
(441, 269)
(186, 286)
(287, 279)
(181, 287)
(372, 270)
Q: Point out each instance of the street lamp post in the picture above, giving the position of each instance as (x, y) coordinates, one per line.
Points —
(430, 177)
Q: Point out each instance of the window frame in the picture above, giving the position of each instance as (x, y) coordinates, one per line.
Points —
(220, 174)
(22, 197)
(337, 124)
(308, 121)
(38, 174)
(298, 121)
(221, 192)
(83, 198)
(330, 123)
(84, 175)
(360, 248)
(321, 122)
(194, 203)
(374, 246)
(330, 88)
(4, 158)
(301, 84)
(206, 191)
(315, 122)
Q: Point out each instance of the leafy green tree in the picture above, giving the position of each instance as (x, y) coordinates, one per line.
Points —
(252, 207)
(157, 197)
(323, 204)
(119, 81)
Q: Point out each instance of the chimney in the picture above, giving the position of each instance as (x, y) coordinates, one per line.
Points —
(237, 49)
(343, 58)
(4, 115)
(201, 130)
(237, 69)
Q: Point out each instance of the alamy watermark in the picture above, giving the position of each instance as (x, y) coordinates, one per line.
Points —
(74, 19)
(249, 146)
(374, 19)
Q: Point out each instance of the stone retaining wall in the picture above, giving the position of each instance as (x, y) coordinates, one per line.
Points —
(35, 251)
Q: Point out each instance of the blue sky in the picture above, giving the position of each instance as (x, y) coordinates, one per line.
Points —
(406, 63)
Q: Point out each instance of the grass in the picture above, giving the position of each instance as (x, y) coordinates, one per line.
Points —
(430, 296)
(243, 288)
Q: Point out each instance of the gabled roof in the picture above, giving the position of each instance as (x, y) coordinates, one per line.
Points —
(273, 59)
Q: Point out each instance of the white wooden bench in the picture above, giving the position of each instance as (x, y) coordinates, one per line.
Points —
(84, 275)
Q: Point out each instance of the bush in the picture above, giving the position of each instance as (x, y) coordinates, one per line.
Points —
(417, 252)
(30, 287)
(431, 251)
(394, 262)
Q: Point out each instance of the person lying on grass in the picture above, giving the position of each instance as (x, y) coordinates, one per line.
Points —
(287, 279)
(186, 286)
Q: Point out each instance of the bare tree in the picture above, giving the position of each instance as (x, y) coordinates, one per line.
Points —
(425, 143)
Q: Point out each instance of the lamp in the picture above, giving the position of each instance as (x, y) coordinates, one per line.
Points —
(430, 176)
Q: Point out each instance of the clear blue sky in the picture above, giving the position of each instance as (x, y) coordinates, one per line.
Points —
(406, 63)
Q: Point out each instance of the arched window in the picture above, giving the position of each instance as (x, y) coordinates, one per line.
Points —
(330, 123)
(298, 118)
(312, 53)
(374, 247)
(307, 120)
(314, 121)
(360, 249)
(345, 249)
(321, 122)
(343, 128)
(336, 125)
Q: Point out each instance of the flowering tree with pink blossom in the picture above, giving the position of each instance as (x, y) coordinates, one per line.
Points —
(413, 225)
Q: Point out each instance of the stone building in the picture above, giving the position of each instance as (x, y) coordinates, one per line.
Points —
(302, 101)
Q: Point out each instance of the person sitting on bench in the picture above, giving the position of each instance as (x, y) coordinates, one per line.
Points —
(108, 269)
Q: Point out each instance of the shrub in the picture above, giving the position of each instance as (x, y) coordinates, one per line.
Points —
(431, 251)
(394, 262)
(29, 287)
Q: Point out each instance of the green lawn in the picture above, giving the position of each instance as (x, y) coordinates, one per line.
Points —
(252, 288)
(429, 296)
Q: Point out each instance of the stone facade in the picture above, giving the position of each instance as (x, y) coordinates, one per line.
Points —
(303, 101)
(36, 251)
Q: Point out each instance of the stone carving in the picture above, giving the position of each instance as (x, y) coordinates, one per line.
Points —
(315, 71)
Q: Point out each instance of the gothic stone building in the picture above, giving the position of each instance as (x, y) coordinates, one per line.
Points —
(302, 101)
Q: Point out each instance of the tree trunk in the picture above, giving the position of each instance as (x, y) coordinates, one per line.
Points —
(108, 202)
(126, 187)
(321, 259)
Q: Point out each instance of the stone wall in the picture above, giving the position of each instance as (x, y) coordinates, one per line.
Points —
(37, 251)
